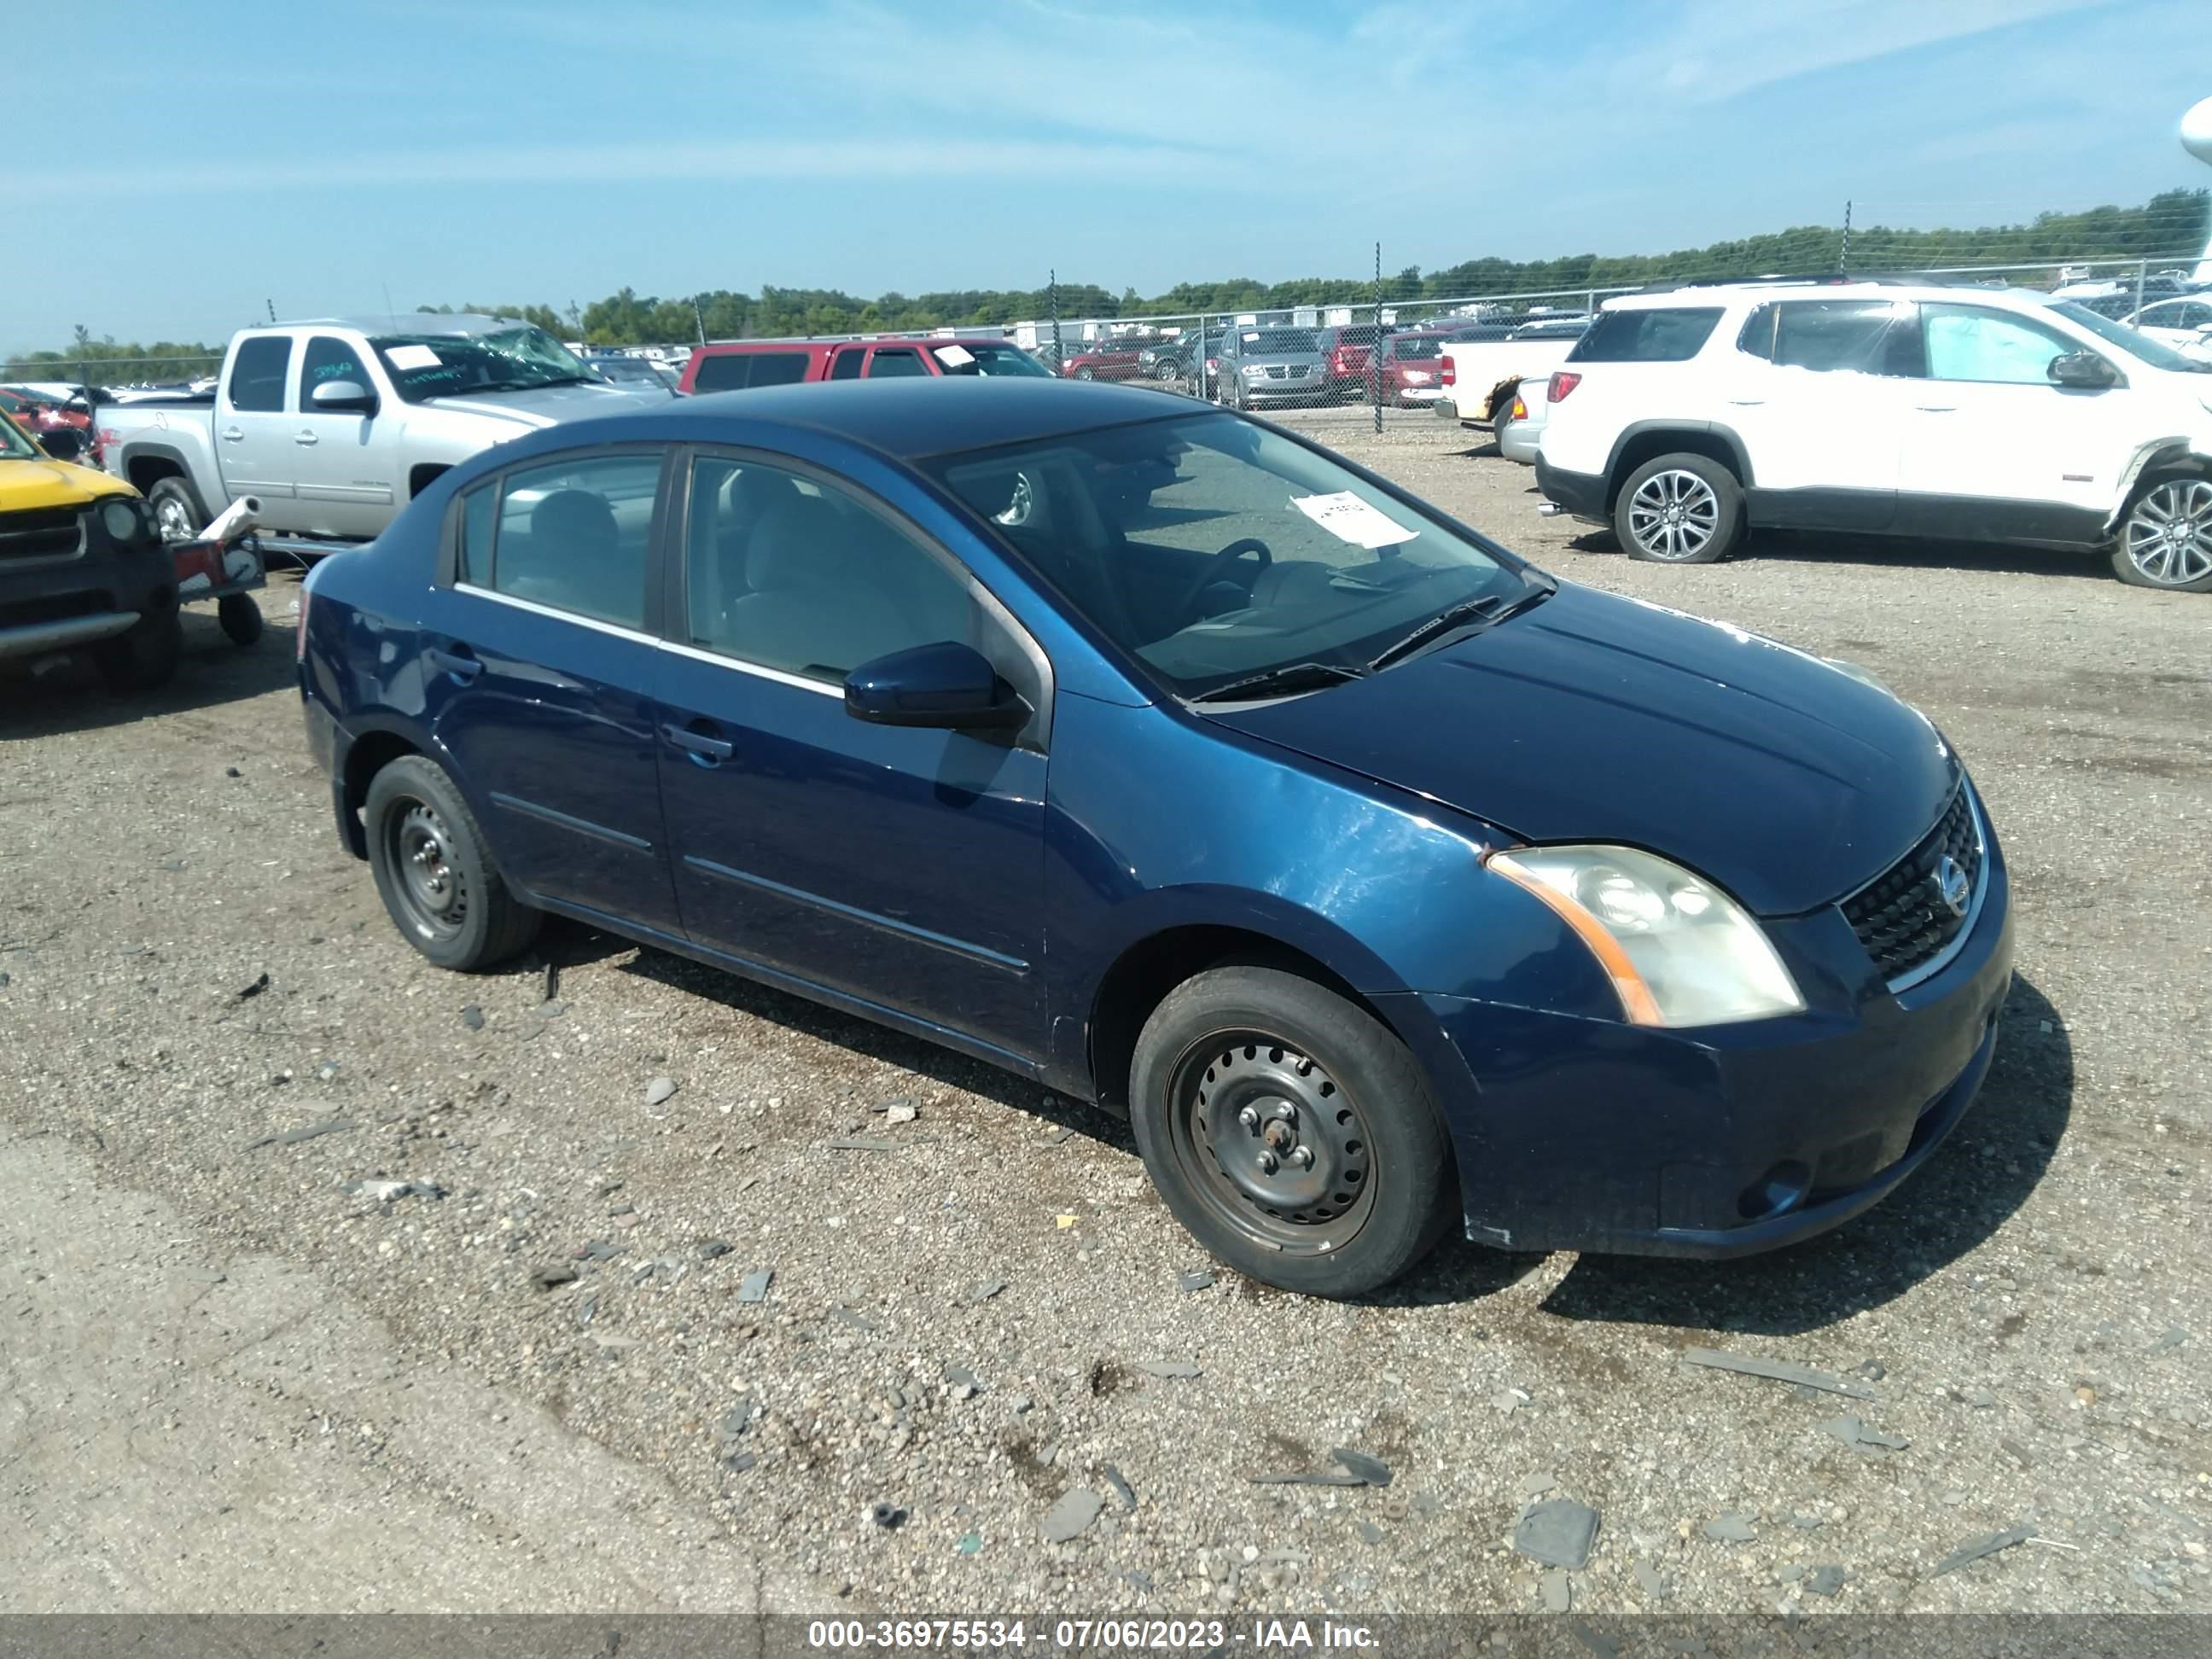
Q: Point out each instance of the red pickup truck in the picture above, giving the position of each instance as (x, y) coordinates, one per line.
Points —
(732, 366)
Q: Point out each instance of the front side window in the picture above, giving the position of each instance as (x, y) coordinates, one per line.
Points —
(573, 535)
(895, 363)
(256, 374)
(1672, 334)
(787, 574)
(327, 359)
(1211, 549)
(1965, 342)
(847, 364)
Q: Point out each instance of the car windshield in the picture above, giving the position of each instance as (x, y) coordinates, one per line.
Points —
(963, 358)
(628, 368)
(424, 366)
(15, 444)
(2155, 352)
(1213, 549)
(1275, 342)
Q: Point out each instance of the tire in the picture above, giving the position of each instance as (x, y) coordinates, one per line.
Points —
(1379, 1190)
(1085, 373)
(240, 616)
(176, 511)
(145, 655)
(1166, 368)
(435, 874)
(2166, 540)
(1498, 425)
(1700, 490)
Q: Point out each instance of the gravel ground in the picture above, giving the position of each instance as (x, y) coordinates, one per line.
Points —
(980, 1307)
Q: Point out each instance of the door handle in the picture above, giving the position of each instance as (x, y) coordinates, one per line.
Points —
(701, 745)
(307, 438)
(1937, 409)
(232, 435)
(460, 663)
(1747, 403)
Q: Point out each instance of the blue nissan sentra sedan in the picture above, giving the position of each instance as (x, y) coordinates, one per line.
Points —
(1162, 756)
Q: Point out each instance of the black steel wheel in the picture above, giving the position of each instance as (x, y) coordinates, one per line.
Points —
(1289, 1131)
(434, 872)
(240, 616)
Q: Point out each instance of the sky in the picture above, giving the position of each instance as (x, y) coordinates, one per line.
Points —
(244, 154)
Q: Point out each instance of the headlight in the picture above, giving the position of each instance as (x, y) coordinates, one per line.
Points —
(124, 520)
(1863, 675)
(1679, 950)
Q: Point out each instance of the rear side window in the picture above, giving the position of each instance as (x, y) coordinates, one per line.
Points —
(256, 374)
(1670, 334)
(479, 512)
(779, 368)
(573, 535)
(725, 371)
(894, 363)
(1869, 337)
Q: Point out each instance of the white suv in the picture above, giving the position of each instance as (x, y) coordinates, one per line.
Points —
(1688, 413)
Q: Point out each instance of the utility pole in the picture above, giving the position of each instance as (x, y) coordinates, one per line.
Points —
(699, 319)
(1844, 254)
(1058, 355)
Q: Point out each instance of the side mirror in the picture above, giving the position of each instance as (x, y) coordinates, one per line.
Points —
(2083, 369)
(337, 397)
(63, 443)
(947, 684)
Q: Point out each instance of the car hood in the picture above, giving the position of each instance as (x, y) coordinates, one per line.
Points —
(1593, 718)
(31, 486)
(544, 406)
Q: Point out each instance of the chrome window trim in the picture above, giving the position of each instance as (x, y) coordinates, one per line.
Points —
(759, 670)
(559, 615)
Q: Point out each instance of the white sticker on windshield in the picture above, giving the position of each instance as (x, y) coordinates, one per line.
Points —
(1248, 339)
(405, 357)
(1348, 518)
(953, 357)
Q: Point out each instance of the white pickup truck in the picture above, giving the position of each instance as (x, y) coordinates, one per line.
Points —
(1480, 377)
(334, 426)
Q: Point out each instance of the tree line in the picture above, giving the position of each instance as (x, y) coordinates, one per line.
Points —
(2166, 230)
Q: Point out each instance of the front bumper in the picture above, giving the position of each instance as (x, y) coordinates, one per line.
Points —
(1284, 391)
(1588, 1135)
(99, 590)
(1581, 493)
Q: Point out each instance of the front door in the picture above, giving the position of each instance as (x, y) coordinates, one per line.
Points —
(901, 866)
(347, 458)
(1994, 449)
(254, 434)
(539, 666)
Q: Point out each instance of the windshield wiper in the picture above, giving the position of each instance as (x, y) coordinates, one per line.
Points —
(1291, 676)
(1488, 610)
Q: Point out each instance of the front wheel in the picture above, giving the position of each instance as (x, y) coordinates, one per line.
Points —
(2166, 540)
(240, 616)
(1289, 1131)
(1680, 509)
(177, 514)
(146, 654)
(435, 874)
(1085, 373)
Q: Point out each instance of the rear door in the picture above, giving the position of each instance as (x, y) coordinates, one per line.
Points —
(254, 429)
(1818, 392)
(539, 669)
(345, 459)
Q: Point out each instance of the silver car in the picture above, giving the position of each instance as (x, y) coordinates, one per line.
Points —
(1263, 365)
(1519, 427)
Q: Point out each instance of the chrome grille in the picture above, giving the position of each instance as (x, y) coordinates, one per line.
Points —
(1900, 916)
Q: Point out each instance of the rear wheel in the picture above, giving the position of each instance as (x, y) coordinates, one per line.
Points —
(434, 872)
(2166, 538)
(240, 616)
(1289, 1131)
(1680, 509)
(144, 655)
(1085, 373)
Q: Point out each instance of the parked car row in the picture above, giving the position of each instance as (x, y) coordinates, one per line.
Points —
(1689, 416)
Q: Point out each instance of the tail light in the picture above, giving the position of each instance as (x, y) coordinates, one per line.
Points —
(1519, 409)
(299, 630)
(1563, 382)
(1450, 375)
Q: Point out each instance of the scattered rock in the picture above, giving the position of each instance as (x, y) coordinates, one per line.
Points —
(1172, 1367)
(1853, 1432)
(860, 1144)
(889, 1516)
(608, 1340)
(391, 1191)
(1372, 1470)
(1370, 1532)
(659, 1090)
(327, 1071)
(1558, 1594)
(546, 1277)
(1536, 1485)
(1779, 1371)
(739, 1462)
(1733, 1528)
(895, 1103)
(1648, 1576)
(753, 1287)
(1806, 1522)
(855, 1318)
(1557, 1532)
(305, 1132)
(734, 1423)
(597, 1249)
(710, 1248)
(1506, 1399)
(1200, 1280)
(971, 1543)
(1327, 1475)
(2174, 1337)
(903, 1112)
(1969, 1553)
(232, 772)
(1825, 1581)
(1122, 1489)
(1076, 1510)
(961, 1377)
(1019, 1403)
(247, 992)
(986, 1290)
(473, 1017)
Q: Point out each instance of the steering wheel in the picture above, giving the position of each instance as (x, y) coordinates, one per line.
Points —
(1216, 566)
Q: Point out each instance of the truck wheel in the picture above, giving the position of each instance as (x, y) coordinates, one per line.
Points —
(1289, 1131)
(434, 872)
(1680, 509)
(2166, 540)
(240, 616)
(145, 655)
(176, 515)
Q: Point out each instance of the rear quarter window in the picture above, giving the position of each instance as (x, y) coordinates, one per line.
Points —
(725, 371)
(1667, 335)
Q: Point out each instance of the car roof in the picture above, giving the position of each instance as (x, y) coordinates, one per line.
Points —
(1721, 294)
(414, 322)
(909, 419)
